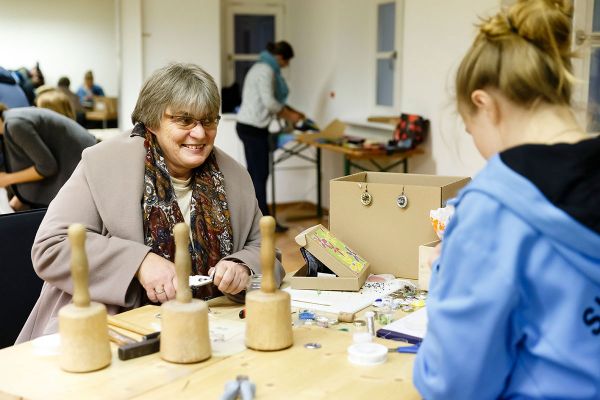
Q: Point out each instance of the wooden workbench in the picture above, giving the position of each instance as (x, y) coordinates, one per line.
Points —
(294, 373)
(380, 160)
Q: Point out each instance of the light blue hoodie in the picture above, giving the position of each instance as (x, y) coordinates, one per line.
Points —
(514, 303)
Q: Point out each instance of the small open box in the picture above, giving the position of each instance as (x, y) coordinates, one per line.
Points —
(351, 270)
(332, 132)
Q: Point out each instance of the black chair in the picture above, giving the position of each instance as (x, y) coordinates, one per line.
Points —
(20, 285)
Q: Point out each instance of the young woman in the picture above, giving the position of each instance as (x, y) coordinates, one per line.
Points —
(514, 306)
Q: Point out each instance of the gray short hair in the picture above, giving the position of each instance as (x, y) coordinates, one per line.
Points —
(184, 88)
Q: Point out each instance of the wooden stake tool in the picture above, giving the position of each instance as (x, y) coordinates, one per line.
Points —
(184, 334)
(83, 328)
(268, 310)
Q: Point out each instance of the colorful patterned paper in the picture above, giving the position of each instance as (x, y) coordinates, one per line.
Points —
(339, 250)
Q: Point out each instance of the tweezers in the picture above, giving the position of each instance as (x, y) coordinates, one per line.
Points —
(200, 280)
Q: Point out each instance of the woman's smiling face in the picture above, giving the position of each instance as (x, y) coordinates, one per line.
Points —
(184, 147)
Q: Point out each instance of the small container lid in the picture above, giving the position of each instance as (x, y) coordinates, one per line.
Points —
(367, 353)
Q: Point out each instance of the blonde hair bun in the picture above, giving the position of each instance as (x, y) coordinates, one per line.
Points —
(546, 23)
(524, 51)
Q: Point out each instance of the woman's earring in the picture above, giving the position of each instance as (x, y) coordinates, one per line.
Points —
(365, 198)
(402, 200)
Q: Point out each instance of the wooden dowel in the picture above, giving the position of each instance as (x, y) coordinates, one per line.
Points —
(267, 254)
(79, 266)
(183, 263)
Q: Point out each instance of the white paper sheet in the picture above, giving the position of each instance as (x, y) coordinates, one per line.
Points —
(414, 324)
(332, 301)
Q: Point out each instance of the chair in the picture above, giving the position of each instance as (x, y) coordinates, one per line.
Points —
(20, 285)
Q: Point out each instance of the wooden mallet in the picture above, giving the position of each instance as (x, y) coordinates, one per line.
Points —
(268, 310)
(84, 344)
(184, 334)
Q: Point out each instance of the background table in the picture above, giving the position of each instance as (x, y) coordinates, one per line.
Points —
(381, 160)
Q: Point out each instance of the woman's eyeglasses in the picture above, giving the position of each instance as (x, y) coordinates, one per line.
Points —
(187, 122)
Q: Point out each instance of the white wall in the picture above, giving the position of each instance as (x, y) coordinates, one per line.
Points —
(328, 75)
(330, 57)
(436, 36)
(67, 37)
(130, 58)
(182, 31)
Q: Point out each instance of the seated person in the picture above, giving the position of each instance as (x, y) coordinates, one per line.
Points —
(55, 100)
(514, 299)
(88, 90)
(131, 191)
(64, 85)
(41, 149)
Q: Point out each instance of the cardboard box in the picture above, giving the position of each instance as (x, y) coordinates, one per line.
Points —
(426, 254)
(332, 132)
(382, 232)
(351, 269)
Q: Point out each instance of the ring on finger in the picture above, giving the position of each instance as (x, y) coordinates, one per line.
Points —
(160, 291)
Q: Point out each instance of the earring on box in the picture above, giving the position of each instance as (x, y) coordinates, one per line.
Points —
(365, 198)
(402, 200)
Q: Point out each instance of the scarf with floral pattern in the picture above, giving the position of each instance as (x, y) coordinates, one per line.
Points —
(210, 217)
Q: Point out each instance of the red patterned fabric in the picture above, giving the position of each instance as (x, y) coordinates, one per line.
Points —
(411, 130)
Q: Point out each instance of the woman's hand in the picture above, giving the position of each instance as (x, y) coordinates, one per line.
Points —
(296, 117)
(289, 114)
(157, 276)
(230, 277)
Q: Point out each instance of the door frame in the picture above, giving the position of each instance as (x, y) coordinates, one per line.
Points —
(228, 55)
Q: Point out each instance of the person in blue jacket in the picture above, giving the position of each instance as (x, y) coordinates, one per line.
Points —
(11, 93)
(514, 304)
(88, 90)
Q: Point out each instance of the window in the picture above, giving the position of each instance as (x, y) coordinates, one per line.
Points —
(385, 54)
(587, 68)
(249, 29)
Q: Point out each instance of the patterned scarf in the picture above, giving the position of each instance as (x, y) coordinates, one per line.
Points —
(210, 218)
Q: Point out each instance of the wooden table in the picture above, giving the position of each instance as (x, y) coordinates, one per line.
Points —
(381, 160)
(105, 109)
(294, 373)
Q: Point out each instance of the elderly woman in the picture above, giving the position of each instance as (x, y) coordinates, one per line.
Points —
(131, 191)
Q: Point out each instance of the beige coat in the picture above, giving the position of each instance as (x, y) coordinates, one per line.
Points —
(105, 194)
